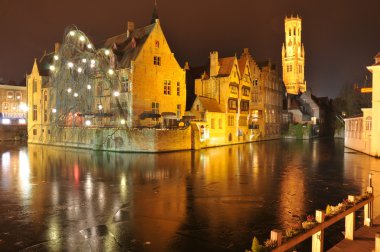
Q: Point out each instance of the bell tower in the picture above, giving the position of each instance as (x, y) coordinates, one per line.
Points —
(293, 57)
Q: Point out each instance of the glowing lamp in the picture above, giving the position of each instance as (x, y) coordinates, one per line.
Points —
(23, 107)
(100, 107)
(75, 94)
(88, 87)
(69, 90)
(122, 121)
(110, 72)
(6, 121)
(107, 52)
(89, 46)
(116, 93)
(72, 33)
(56, 57)
(84, 60)
(54, 110)
(79, 70)
(52, 68)
(21, 121)
(87, 122)
(70, 64)
(81, 38)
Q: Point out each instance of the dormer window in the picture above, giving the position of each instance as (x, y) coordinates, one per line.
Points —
(157, 44)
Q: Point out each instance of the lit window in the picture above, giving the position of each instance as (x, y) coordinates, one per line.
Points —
(167, 87)
(34, 112)
(10, 95)
(178, 89)
(5, 106)
(232, 104)
(155, 108)
(18, 95)
(21, 121)
(231, 120)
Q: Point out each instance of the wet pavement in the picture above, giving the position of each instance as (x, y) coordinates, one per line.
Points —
(55, 199)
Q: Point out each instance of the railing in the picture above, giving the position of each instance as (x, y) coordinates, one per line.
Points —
(317, 232)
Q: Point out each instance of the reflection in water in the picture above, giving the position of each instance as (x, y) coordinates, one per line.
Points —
(213, 199)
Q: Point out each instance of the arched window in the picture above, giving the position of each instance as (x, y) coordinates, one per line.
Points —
(290, 32)
(368, 123)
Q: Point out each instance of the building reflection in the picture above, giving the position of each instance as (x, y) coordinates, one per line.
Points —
(210, 199)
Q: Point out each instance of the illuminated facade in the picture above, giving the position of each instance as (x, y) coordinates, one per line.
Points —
(13, 104)
(249, 96)
(363, 133)
(134, 81)
(293, 57)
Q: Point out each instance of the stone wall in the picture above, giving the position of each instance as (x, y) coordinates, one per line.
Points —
(12, 132)
(118, 139)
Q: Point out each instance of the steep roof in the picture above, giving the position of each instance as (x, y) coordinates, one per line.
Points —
(241, 63)
(209, 104)
(127, 46)
(226, 65)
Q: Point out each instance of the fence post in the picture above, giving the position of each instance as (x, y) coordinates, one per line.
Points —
(368, 208)
(350, 222)
(276, 235)
(317, 238)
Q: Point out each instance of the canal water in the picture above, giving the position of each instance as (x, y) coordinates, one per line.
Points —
(215, 199)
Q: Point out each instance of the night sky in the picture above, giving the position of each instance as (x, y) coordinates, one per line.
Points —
(341, 37)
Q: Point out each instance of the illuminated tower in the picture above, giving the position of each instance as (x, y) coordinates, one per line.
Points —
(293, 57)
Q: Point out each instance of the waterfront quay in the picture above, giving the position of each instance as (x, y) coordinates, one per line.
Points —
(214, 199)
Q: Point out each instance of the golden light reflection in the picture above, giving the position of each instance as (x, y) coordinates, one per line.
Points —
(6, 161)
(24, 173)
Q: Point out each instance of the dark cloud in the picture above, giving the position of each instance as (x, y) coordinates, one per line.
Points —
(340, 37)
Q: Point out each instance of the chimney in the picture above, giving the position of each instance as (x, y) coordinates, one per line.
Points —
(57, 46)
(187, 66)
(130, 28)
(214, 63)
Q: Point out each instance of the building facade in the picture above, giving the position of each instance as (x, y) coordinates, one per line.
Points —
(133, 81)
(362, 133)
(293, 57)
(13, 104)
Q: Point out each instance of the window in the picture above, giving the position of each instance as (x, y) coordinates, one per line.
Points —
(157, 44)
(232, 104)
(244, 105)
(155, 108)
(34, 132)
(34, 85)
(124, 84)
(368, 123)
(178, 110)
(178, 89)
(245, 91)
(167, 87)
(197, 107)
(234, 89)
(290, 68)
(14, 107)
(18, 95)
(157, 60)
(231, 119)
(45, 96)
(5, 106)
(290, 32)
(220, 123)
(10, 95)
(212, 123)
(34, 112)
(45, 115)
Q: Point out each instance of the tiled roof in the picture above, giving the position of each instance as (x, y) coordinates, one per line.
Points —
(127, 48)
(241, 63)
(209, 104)
(226, 65)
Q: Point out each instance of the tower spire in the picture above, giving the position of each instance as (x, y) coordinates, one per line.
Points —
(155, 13)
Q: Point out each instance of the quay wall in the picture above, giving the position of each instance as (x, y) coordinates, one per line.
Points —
(12, 132)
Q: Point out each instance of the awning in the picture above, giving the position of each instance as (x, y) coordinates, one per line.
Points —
(169, 115)
(149, 114)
